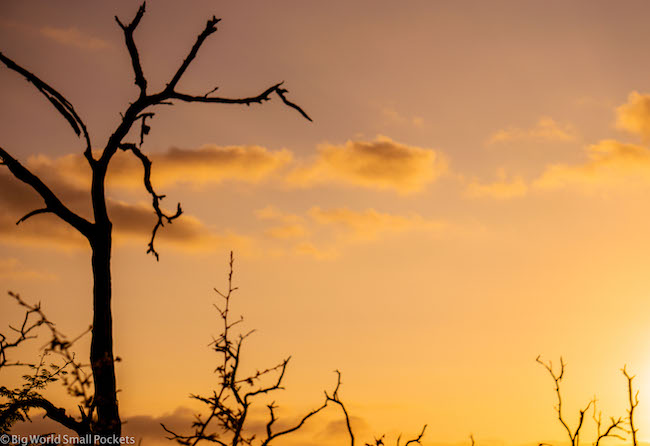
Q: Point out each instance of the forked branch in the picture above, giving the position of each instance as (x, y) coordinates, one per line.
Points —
(140, 80)
(52, 202)
(574, 436)
(633, 399)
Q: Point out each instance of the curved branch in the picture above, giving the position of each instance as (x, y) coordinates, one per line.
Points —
(52, 202)
(335, 399)
(31, 214)
(162, 217)
(62, 105)
(419, 437)
(51, 411)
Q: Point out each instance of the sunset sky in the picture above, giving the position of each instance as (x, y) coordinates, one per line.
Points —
(471, 194)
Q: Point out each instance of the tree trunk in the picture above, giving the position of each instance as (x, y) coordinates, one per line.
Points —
(101, 349)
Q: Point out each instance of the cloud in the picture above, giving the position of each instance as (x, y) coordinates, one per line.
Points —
(74, 37)
(546, 129)
(12, 268)
(321, 233)
(395, 117)
(290, 226)
(370, 224)
(311, 250)
(634, 116)
(339, 428)
(132, 222)
(17, 199)
(611, 163)
(502, 189)
(205, 165)
(379, 164)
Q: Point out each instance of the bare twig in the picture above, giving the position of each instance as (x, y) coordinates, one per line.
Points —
(336, 400)
(633, 399)
(574, 436)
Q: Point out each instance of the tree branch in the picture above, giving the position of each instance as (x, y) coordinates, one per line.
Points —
(262, 97)
(210, 28)
(633, 399)
(140, 80)
(62, 105)
(162, 217)
(52, 203)
(51, 411)
(419, 437)
(31, 214)
(335, 399)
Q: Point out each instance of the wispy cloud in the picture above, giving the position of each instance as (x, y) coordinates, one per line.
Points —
(379, 164)
(132, 222)
(610, 163)
(12, 268)
(322, 233)
(208, 164)
(394, 117)
(74, 37)
(546, 129)
(501, 189)
(286, 226)
(634, 115)
(369, 224)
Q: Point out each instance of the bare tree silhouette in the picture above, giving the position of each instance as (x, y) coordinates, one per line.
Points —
(615, 426)
(103, 414)
(229, 404)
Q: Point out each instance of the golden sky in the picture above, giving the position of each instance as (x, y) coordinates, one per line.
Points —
(471, 194)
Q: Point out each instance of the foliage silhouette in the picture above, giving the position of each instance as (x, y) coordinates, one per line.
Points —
(102, 413)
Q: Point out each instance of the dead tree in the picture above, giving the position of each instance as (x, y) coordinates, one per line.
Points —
(615, 425)
(98, 232)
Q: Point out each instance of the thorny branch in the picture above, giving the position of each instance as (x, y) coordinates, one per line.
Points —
(17, 402)
(615, 424)
(229, 405)
(335, 399)
(633, 399)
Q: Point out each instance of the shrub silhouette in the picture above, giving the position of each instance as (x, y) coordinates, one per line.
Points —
(228, 406)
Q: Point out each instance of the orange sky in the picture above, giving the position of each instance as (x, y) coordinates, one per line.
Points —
(471, 194)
